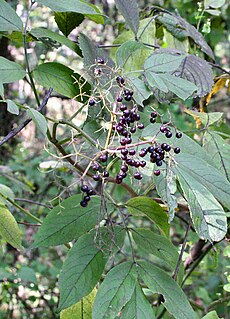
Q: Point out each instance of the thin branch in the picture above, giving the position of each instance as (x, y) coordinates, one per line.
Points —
(28, 224)
(217, 66)
(32, 202)
(15, 131)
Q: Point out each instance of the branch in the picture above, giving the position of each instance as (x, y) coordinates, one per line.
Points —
(15, 131)
(217, 66)
(32, 202)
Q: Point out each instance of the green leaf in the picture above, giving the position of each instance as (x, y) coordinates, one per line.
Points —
(6, 191)
(219, 149)
(10, 71)
(68, 221)
(83, 309)
(207, 175)
(141, 91)
(138, 307)
(160, 282)
(81, 270)
(12, 107)
(163, 62)
(208, 216)
(115, 291)
(9, 20)
(78, 6)
(1, 90)
(68, 21)
(213, 3)
(9, 229)
(61, 78)
(129, 10)
(39, 120)
(27, 274)
(43, 33)
(157, 245)
(142, 205)
(126, 51)
(211, 315)
(206, 118)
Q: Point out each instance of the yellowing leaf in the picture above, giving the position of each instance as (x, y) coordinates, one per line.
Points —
(9, 229)
(219, 84)
(195, 116)
(82, 309)
(204, 118)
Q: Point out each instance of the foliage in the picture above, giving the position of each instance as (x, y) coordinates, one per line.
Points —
(125, 178)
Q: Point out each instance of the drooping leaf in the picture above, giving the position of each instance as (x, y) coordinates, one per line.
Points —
(115, 291)
(157, 245)
(129, 10)
(204, 118)
(78, 6)
(68, 21)
(9, 229)
(160, 282)
(81, 270)
(219, 149)
(39, 120)
(141, 91)
(220, 82)
(209, 176)
(7, 192)
(9, 20)
(43, 34)
(208, 216)
(166, 188)
(213, 3)
(181, 29)
(82, 309)
(10, 71)
(67, 221)
(138, 307)
(61, 78)
(142, 205)
(12, 107)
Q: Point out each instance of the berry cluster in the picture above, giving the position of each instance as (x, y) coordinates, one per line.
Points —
(87, 192)
(97, 168)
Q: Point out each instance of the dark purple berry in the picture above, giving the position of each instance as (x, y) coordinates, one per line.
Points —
(90, 192)
(92, 102)
(84, 188)
(128, 140)
(101, 61)
(157, 172)
(154, 114)
(86, 198)
(133, 129)
(137, 175)
(163, 129)
(168, 134)
(141, 126)
(123, 107)
(124, 151)
(132, 152)
(142, 163)
(96, 177)
(105, 174)
(128, 98)
(137, 117)
(103, 158)
(96, 167)
(119, 99)
(159, 163)
(132, 163)
(151, 149)
(152, 120)
(83, 203)
(119, 128)
(137, 164)
(118, 180)
(123, 142)
(120, 80)
(142, 153)
(128, 161)
(178, 135)
(167, 148)
(124, 168)
(125, 133)
(176, 150)
(126, 113)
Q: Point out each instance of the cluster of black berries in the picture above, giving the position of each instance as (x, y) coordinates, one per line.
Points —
(87, 192)
(96, 167)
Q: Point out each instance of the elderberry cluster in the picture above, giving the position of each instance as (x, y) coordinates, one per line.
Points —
(87, 192)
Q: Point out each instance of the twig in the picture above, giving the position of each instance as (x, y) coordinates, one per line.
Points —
(32, 202)
(15, 131)
(217, 66)
(28, 224)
